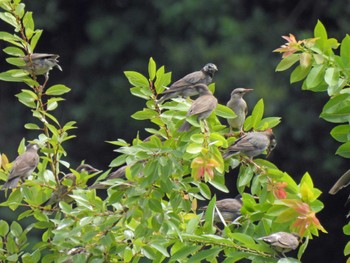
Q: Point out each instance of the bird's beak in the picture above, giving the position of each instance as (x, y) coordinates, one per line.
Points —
(248, 90)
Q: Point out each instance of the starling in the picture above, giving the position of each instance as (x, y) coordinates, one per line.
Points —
(185, 87)
(252, 144)
(239, 107)
(203, 106)
(24, 165)
(282, 241)
(230, 209)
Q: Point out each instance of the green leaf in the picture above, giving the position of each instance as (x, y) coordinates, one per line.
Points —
(32, 126)
(161, 247)
(35, 38)
(57, 90)
(225, 112)
(163, 80)
(347, 249)
(155, 205)
(269, 122)
(320, 31)
(341, 133)
(15, 75)
(194, 148)
(315, 77)
(299, 73)
(136, 79)
(184, 252)
(331, 76)
(243, 238)
(127, 254)
(257, 113)
(9, 18)
(19, 11)
(205, 254)
(209, 215)
(346, 229)
(28, 98)
(145, 114)
(245, 176)
(16, 229)
(4, 228)
(344, 150)
(345, 51)
(204, 190)
(151, 69)
(287, 62)
(14, 51)
(19, 62)
(138, 92)
(337, 109)
(13, 39)
(28, 23)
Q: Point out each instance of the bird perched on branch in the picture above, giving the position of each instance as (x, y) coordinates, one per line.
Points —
(230, 209)
(62, 192)
(239, 107)
(41, 63)
(203, 106)
(24, 165)
(185, 86)
(252, 144)
(282, 241)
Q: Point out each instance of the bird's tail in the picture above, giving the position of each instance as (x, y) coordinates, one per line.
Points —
(184, 127)
(11, 183)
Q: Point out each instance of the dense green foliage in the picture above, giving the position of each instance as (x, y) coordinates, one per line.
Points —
(321, 70)
(152, 213)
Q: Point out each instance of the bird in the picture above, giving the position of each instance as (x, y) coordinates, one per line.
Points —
(185, 86)
(253, 144)
(62, 192)
(24, 165)
(238, 105)
(203, 106)
(282, 241)
(41, 63)
(342, 182)
(230, 209)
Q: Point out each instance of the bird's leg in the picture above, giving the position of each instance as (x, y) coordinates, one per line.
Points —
(241, 132)
(46, 79)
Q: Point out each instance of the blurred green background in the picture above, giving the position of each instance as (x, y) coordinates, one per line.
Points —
(98, 40)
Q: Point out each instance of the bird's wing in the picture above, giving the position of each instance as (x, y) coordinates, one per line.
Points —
(228, 204)
(285, 241)
(202, 104)
(24, 163)
(176, 88)
(244, 143)
(189, 79)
